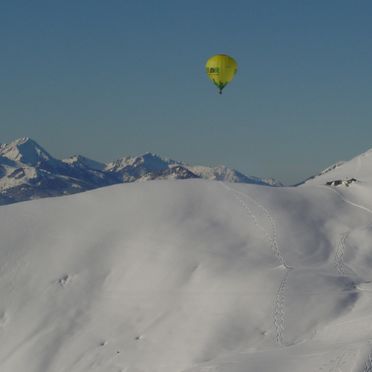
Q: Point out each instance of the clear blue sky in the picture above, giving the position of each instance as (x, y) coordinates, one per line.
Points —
(112, 78)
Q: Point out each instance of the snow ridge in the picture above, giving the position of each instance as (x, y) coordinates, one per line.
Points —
(359, 168)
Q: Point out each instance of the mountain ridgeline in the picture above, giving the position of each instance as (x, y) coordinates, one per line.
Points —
(28, 171)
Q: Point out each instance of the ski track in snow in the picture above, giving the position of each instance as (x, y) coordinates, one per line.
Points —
(279, 301)
(337, 363)
(341, 267)
(342, 359)
(368, 363)
(246, 207)
(340, 257)
(340, 252)
(274, 236)
(279, 310)
(362, 207)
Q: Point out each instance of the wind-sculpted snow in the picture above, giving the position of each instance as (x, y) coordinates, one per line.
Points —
(188, 276)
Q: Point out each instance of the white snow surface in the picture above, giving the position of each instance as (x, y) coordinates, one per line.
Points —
(189, 276)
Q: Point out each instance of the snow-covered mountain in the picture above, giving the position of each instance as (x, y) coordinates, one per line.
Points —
(222, 173)
(192, 276)
(148, 167)
(80, 161)
(359, 168)
(27, 171)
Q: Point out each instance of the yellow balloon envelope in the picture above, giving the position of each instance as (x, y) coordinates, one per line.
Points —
(221, 69)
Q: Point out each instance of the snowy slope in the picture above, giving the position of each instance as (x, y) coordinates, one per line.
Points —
(360, 167)
(188, 276)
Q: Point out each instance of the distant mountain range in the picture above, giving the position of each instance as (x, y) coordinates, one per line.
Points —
(28, 171)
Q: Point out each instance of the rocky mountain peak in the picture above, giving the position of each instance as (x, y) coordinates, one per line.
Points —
(26, 151)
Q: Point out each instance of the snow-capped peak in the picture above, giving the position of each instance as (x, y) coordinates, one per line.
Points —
(147, 160)
(150, 160)
(26, 151)
(82, 161)
(223, 173)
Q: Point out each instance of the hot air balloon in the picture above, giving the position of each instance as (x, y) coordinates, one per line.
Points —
(221, 69)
